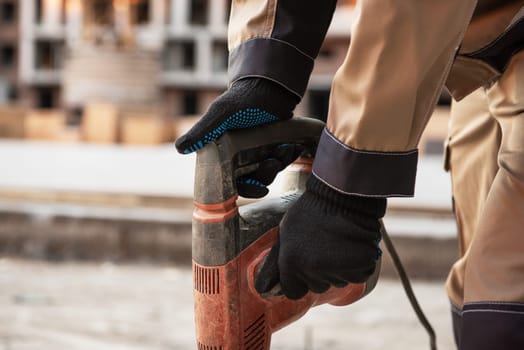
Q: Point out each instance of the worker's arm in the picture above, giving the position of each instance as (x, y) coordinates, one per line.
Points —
(273, 44)
(385, 91)
(272, 48)
(381, 99)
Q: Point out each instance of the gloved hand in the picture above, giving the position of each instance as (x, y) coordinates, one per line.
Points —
(254, 184)
(326, 239)
(247, 103)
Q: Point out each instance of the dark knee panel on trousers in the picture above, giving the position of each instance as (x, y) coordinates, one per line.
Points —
(489, 326)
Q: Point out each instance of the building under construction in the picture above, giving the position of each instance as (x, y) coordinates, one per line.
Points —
(167, 53)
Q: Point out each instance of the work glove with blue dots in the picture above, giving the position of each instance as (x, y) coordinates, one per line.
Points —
(254, 184)
(247, 103)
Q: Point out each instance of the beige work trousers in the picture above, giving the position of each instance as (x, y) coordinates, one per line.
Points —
(486, 162)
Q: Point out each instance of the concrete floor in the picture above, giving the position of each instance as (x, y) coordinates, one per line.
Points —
(77, 306)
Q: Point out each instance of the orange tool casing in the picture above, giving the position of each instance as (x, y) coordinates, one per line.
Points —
(230, 242)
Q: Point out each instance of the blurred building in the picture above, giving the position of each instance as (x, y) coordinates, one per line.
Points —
(9, 48)
(172, 53)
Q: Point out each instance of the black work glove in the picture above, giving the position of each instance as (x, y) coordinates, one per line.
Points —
(254, 184)
(247, 103)
(326, 239)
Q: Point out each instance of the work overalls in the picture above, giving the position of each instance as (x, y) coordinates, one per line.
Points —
(401, 55)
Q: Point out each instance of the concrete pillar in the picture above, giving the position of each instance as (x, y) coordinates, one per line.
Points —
(52, 14)
(217, 13)
(27, 27)
(74, 20)
(157, 11)
(179, 14)
(203, 54)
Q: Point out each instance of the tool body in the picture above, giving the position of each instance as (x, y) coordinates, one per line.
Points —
(229, 242)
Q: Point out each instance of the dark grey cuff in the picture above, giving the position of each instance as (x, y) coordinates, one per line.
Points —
(272, 59)
(365, 173)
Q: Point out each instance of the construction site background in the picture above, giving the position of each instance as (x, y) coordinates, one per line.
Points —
(133, 72)
(96, 205)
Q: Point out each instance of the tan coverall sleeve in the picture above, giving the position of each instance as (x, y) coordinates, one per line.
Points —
(277, 39)
(384, 93)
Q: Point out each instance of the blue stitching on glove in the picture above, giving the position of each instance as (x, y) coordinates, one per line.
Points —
(242, 119)
(253, 182)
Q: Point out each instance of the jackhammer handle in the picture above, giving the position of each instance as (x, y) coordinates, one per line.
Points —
(219, 163)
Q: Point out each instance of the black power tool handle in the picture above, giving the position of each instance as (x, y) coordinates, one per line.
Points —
(240, 150)
(221, 230)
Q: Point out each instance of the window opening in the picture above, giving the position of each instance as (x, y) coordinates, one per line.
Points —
(199, 12)
(190, 103)
(45, 99)
(141, 12)
(48, 55)
(180, 55)
(8, 56)
(8, 12)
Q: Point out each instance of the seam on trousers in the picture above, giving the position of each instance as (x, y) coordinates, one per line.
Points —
(498, 303)
(500, 307)
(497, 311)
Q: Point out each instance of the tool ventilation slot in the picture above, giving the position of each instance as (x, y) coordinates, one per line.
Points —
(255, 335)
(206, 280)
(201, 346)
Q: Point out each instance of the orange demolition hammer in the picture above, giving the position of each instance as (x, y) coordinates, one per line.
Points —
(229, 242)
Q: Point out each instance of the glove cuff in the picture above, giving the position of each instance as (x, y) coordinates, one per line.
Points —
(329, 200)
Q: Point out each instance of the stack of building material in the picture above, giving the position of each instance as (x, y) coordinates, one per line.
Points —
(145, 129)
(105, 73)
(11, 122)
(100, 123)
(44, 124)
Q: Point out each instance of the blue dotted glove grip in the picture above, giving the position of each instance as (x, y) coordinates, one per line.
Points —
(243, 119)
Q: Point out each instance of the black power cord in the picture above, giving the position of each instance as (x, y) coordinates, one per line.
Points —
(404, 279)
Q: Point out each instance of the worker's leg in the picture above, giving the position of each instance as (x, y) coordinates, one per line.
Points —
(471, 157)
(385, 91)
(493, 311)
(277, 39)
